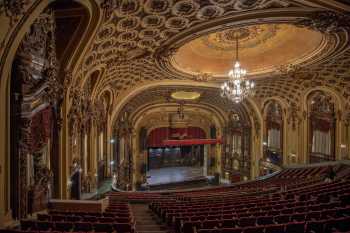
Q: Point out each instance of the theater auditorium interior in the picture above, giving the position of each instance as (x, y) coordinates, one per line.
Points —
(175, 116)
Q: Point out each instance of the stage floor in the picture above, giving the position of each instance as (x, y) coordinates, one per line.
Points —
(173, 175)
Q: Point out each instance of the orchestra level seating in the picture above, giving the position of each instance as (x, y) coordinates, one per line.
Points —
(296, 200)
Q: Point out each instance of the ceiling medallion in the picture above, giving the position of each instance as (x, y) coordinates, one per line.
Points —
(149, 33)
(127, 36)
(237, 87)
(128, 23)
(158, 7)
(185, 8)
(127, 8)
(222, 3)
(153, 21)
(210, 12)
(176, 23)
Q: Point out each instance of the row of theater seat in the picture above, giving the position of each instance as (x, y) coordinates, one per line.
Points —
(117, 218)
(290, 205)
(75, 226)
(325, 226)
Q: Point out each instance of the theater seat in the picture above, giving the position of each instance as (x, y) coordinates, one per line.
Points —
(63, 226)
(231, 230)
(257, 229)
(210, 224)
(265, 220)
(296, 227)
(278, 228)
(315, 226)
(246, 222)
(44, 225)
(340, 224)
(103, 227)
(122, 227)
(82, 226)
(282, 219)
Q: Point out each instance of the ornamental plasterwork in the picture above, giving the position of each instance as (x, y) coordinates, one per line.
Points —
(136, 28)
(134, 32)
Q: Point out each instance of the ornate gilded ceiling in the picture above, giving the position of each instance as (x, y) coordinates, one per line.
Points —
(134, 42)
(209, 97)
(142, 43)
(262, 48)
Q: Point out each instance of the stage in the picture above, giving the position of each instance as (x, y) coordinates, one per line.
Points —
(173, 176)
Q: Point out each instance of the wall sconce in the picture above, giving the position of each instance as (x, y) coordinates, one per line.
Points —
(111, 163)
(264, 143)
(343, 146)
(112, 141)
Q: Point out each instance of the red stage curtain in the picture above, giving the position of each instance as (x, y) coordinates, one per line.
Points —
(158, 135)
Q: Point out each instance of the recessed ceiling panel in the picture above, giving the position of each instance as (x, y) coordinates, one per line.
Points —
(262, 49)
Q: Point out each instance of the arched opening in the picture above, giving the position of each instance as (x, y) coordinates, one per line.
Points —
(322, 126)
(273, 133)
(36, 86)
(237, 148)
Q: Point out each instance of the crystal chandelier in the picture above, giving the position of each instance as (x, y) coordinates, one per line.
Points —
(237, 87)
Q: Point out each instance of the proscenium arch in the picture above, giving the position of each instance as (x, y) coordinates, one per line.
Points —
(137, 117)
(8, 55)
(339, 104)
(219, 116)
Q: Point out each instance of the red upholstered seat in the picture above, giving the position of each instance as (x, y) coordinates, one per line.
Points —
(265, 220)
(82, 226)
(298, 217)
(298, 227)
(257, 229)
(282, 219)
(123, 227)
(210, 224)
(246, 222)
(228, 223)
(277, 228)
(103, 227)
(63, 226)
(315, 226)
(231, 230)
(58, 218)
(44, 225)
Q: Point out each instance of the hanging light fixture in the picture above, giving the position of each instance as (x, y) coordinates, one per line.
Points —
(237, 87)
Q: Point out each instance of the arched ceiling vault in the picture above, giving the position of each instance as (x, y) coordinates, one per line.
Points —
(137, 40)
(209, 99)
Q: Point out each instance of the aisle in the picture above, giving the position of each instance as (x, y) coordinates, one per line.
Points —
(146, 221)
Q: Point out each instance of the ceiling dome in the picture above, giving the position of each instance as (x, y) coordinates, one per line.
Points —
(262, 49)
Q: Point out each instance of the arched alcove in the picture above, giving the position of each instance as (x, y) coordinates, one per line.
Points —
(273, 133)
(321, 108)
